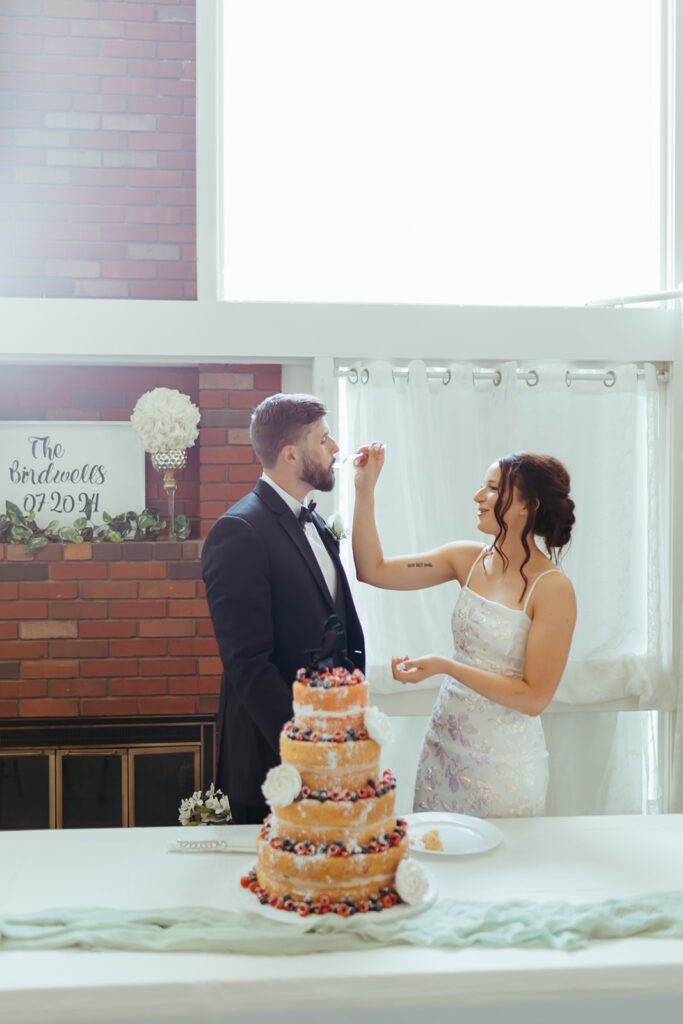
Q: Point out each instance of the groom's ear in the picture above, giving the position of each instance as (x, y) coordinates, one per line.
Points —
(288, 454)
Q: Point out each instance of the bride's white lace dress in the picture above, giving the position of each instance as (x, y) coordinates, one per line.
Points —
(478, 757)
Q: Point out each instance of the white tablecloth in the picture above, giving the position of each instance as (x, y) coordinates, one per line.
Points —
(575, 859)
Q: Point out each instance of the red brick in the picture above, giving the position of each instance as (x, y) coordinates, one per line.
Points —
(109, 706)
(210, 666)
(211, 474)
(169, 588)
(10, 592)
(49, 591)
(139, 647)
(227, 456)
(128, 11)
(139, 609)
(247, 399)
(128, 48)
(187, 609)
(78, 688)
(212, 510)
(70, 9)
(166, 627)
(165, 666)
(240, 474)
(167, 705)
(147, 140)
(100, 667)
(128, 86)
(79, 571)
(41, 26)
(29, 649)
(130, 233)
(110, 589)
(50, 669)
(156, 290)
(137, 570)
(9, 708)
(207, 706)
(79, 648)
(213, 399)
(193, 646)
(108, 629)
(23, 610)
(137, 687)
(193, 685)
(78, 610)
(29, 688)
(49, 708)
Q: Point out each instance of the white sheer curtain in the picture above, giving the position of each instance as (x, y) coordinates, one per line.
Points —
(440, 438)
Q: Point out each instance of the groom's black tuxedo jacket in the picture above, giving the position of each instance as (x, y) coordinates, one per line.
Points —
(269, 603)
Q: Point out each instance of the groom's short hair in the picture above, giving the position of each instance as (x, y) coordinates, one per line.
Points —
(280, 420)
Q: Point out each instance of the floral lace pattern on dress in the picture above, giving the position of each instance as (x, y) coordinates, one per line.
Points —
(478, 757)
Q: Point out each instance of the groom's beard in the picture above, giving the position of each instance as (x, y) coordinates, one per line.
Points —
(315, 475)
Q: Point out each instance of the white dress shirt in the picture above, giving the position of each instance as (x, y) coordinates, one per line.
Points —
(327, 566)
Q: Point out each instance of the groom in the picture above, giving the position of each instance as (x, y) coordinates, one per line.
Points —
(273, 577)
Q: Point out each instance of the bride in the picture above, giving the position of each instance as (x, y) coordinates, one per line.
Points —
(484, 752)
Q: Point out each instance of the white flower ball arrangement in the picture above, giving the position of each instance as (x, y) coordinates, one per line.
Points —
(165, 420)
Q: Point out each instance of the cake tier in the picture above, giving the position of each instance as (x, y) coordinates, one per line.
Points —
(332, 710)
(334, 820)
(356, 877)
(330, 765)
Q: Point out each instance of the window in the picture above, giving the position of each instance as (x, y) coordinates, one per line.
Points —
(440, 151)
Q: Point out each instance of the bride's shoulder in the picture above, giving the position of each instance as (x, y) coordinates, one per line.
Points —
(462, 554)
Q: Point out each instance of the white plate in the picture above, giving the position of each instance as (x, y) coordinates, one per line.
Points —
(459, 833)
(246, 900)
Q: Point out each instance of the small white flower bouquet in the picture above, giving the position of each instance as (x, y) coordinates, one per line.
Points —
(165, 420)
(210, 809)
(335, 525)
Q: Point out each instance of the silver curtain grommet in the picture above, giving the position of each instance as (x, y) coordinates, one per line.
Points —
(364, 376)
(610, 379)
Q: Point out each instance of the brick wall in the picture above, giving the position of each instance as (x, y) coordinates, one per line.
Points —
(95, 629)
(123, 629)
(97, 149)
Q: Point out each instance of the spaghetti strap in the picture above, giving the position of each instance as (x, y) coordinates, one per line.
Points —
(531, 590)
(469, 575)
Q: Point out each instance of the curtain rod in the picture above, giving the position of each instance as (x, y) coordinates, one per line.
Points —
(443, 373)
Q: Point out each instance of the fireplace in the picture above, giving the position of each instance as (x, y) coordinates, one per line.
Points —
(116, 773)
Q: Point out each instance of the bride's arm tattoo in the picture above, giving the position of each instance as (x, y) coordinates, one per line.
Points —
(419, 565)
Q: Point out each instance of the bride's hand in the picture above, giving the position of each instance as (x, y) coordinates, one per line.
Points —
(407, 670)
(368, 463)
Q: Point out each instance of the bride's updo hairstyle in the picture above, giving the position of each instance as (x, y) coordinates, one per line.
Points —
(542, 482)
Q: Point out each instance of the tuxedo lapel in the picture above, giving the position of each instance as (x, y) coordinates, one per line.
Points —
(295, 534)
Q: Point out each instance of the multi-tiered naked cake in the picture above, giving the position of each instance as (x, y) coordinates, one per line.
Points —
(333, 842)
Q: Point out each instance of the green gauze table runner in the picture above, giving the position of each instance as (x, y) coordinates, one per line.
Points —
(449, 923)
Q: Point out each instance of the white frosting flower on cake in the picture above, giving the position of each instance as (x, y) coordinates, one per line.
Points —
(411, 881)
(281, 785)
(378, 726)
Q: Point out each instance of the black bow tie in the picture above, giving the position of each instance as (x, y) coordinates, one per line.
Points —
(305, 515)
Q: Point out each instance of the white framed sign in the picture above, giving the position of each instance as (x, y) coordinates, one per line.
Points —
(55, 469)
